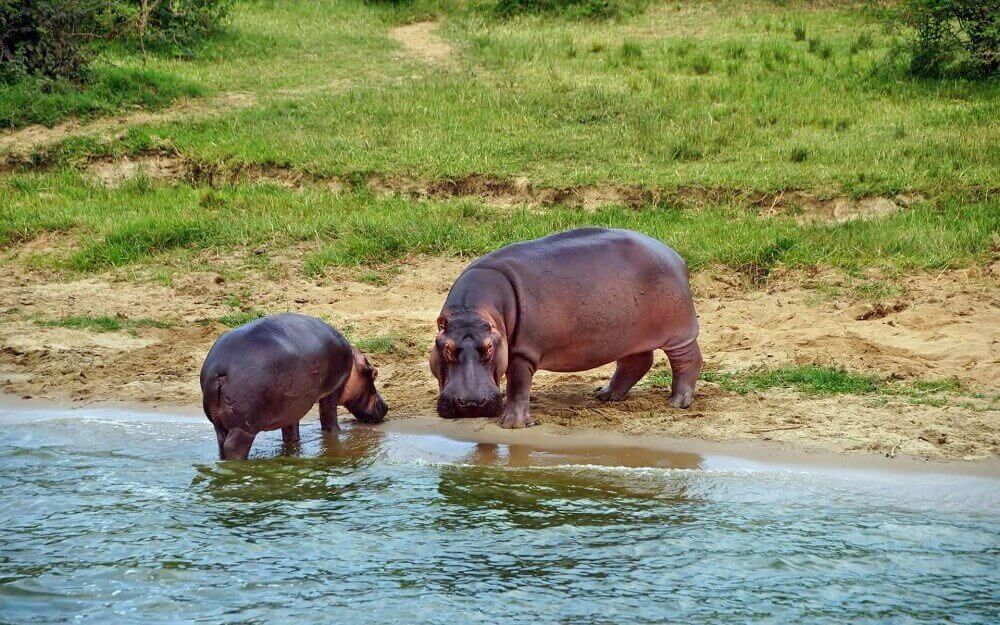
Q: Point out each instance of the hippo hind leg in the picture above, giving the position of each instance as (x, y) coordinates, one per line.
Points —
(290, 433)
(629, 371)
(220, 436)
(685, 364)
(237, 444)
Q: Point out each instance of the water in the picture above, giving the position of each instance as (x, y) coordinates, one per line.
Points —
(131, 520)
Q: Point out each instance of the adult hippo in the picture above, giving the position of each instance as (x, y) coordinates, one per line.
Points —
(267, 375)
(567, 302)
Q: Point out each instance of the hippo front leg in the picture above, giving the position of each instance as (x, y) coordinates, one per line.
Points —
(517, 409)
(328, 414)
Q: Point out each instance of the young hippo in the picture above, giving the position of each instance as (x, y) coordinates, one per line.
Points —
(267, 375)
(567, 302)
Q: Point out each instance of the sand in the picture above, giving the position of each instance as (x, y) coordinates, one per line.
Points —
(942, 325)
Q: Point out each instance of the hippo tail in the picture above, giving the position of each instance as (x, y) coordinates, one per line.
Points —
(213, 400)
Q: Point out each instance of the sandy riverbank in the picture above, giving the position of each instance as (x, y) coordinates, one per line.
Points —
(938, 326)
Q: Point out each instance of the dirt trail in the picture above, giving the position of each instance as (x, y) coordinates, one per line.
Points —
(29, 138)
(420, 40)
(944, 325)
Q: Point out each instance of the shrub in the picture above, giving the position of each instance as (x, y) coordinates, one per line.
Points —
(46, 37)
(950, 36)
(171, 25)
(53, 38)
(581, 9)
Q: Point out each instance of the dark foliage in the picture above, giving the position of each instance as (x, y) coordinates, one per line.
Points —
(55, 38)
(46, 37)
(950, 37)
(581, 9)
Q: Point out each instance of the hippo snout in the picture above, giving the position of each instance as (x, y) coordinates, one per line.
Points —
(381, 409)
(486, 405)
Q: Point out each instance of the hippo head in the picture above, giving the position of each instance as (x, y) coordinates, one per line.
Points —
(360, 396)
(468, 359)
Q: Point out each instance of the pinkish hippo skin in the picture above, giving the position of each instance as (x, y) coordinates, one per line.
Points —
(268, 374)
(567, 302)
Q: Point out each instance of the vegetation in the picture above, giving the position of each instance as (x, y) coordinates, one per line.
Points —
(47, 48)
(950, 37)
(129, 225)
(745, 99)
(818, 380)
(107, 90)
(579, 9)
(103, 323)
(239, 317)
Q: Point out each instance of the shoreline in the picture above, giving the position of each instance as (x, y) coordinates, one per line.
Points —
(577, 445)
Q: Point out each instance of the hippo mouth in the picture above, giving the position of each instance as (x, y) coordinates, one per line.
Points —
(451, 409)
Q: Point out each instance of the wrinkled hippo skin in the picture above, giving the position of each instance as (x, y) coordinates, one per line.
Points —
(268, 374)
(567, 302)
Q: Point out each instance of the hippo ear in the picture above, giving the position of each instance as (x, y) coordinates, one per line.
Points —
(442, 323)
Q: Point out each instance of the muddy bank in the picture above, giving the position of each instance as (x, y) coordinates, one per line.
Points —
(932, 327)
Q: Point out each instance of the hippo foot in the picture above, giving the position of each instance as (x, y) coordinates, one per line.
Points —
(682, 399)
(606, 394)
(513, 419)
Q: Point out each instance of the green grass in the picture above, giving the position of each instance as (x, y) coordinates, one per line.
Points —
(824, 381)
(380, 344)
(752, 96)
(808, 379)
(133, 225)
(380, 276)
(104, 323)
(717, 94)
(107, 91)
(239, 317)
(712, 93)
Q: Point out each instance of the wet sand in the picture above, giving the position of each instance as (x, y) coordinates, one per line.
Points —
(476, 441)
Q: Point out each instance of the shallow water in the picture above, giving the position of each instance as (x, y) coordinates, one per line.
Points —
(130, 519)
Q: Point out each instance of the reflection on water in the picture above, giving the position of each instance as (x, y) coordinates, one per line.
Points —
(493, 455)
(125, 522)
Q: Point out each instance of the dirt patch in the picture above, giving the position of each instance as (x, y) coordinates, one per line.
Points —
(420, 40)
(807, 208)
(949, 327)
(25, 140)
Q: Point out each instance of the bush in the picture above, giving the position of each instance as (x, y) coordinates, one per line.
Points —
(172, 25)
(950, 36)
(46, 37)
(53, 38)
(581, 9)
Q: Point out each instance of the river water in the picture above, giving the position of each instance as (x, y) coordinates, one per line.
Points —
(115, 517)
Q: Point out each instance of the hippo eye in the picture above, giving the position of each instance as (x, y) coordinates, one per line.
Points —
(488, 351)
(449, 352)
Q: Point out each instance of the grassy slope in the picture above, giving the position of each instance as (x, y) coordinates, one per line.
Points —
(129, 225)
(707, 93)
